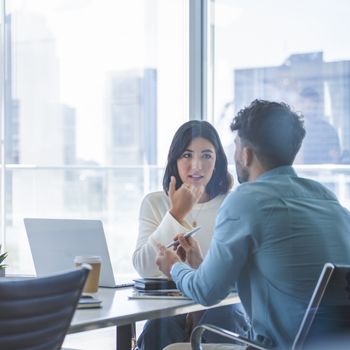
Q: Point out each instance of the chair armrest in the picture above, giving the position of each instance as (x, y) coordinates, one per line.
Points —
(196, 337)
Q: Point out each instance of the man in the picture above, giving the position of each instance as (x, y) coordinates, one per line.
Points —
(273, 234)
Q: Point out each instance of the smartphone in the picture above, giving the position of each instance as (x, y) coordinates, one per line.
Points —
(187, 234)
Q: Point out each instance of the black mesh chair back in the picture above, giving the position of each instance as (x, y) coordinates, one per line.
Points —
(35, 313)
(326, 323)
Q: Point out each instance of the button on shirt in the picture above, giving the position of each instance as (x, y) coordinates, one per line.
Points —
(272, 238)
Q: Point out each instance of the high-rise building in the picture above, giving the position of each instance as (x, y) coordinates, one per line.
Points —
(331, 80)
(131, 139)
(132, 117)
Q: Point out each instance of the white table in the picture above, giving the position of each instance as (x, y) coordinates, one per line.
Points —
(117, 310)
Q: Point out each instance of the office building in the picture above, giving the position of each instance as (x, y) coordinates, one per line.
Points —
(305, 70)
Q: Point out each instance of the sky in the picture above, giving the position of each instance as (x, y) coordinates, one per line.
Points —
(96, 37)
(262, 33)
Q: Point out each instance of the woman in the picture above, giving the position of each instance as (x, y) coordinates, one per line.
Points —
(195, 183)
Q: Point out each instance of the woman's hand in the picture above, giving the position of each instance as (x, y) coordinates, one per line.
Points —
(183, 199)
(188, 250)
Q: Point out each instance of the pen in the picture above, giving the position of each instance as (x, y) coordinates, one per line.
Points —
(187, 234)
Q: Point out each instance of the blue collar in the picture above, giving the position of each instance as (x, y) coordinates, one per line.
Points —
(281, 170)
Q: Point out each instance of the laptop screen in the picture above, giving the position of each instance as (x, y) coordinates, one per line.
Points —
(55, 242)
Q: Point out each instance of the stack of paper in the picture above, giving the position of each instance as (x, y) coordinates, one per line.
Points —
(154, 284)
(158, 294)
(89, 302)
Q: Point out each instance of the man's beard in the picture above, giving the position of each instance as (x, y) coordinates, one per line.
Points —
(242, 173)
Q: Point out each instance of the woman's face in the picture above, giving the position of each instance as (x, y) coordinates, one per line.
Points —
(197, 162)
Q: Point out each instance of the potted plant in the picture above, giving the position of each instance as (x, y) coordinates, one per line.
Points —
(3, 266)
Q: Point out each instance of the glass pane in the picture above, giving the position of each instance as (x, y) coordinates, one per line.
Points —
(96, 90)
(112, 195)
(2, 98)
(292, 52)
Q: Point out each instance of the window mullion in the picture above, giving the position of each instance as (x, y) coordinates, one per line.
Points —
(198, 59)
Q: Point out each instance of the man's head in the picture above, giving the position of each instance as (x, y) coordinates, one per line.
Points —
(269, 135)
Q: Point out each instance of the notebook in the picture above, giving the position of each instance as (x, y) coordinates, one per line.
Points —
(160, 295)
(55, 242)
(154, 284)
(89, 302)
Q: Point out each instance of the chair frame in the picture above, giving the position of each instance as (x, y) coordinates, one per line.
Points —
(323, 282)
(196, 337)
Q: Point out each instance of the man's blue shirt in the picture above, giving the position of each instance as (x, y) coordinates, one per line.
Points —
(272, 238)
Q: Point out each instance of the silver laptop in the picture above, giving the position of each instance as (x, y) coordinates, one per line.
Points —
(55, 242)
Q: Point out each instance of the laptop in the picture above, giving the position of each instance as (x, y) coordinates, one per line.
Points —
(55, 242)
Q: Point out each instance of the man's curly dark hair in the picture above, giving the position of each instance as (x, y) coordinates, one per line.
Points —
(272, 130)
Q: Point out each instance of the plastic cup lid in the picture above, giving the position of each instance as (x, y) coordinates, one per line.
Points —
(88, 259)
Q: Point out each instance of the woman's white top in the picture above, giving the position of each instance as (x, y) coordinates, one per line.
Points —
(156, 224)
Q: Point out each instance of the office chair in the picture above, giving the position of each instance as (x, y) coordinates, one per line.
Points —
(35, 313)
(326, 322)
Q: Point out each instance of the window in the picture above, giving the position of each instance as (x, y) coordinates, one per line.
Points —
(289, 51)
(94, 92)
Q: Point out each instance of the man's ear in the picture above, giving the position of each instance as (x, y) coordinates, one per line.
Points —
(247, 156)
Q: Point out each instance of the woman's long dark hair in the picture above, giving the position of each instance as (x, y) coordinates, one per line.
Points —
(221, 180)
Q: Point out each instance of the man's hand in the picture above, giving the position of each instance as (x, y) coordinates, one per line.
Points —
(183, 199)
(166, 258)
(189, 251)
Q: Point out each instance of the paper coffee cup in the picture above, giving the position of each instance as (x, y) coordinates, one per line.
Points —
(91, 284)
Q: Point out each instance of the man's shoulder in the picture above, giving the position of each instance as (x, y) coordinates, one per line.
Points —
(316, 188)
(278, 187)
(253, 188)
(247, 194)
